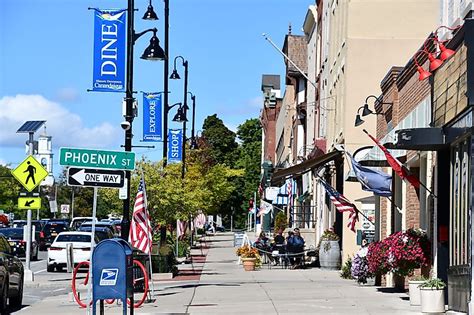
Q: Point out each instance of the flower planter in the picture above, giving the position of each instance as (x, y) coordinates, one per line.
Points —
(414, 292)
(249, 263)
(329, 255)
(432, 300)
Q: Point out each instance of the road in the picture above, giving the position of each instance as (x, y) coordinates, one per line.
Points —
(57, 283)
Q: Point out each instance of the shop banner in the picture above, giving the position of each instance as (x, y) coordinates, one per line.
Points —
(175, 145)
(109, 50)
(152, 117)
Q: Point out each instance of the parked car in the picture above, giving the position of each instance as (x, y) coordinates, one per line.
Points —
(102, 233)
(11, 277)
(110, 226)
(49, 232)
(81, 244)
(16, 240)
(77, 222)
(18, 223)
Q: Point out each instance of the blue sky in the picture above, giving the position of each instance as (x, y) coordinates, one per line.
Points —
(46, 66)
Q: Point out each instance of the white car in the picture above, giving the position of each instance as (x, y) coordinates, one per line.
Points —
(81, 244)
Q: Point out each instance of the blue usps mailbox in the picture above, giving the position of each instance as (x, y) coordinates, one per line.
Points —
(112, 265)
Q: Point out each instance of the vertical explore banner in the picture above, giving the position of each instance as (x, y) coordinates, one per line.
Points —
(152, 117)
(175, 145)
(109, 50)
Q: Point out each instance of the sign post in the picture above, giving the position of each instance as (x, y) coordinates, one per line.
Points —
(29, 173)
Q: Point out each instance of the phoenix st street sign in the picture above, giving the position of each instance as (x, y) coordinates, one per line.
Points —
(95, 177)
(118, 160)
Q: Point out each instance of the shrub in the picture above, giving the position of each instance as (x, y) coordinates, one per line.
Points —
(346, 269)
(329, 235)
(280, 221)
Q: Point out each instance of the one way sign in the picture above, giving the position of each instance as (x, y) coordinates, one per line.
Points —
(95, 177)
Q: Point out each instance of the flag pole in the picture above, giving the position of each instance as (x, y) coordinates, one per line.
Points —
(150, 236)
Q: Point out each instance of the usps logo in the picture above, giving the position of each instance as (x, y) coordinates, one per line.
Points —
(108, 277)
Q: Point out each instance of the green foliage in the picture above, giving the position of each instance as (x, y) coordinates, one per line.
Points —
(346, 269)
(9, 189)
(183, 248)
(329, 235)
(205, 187)
(164, 261)
(434, 283)
(221, 140)
(280, 221)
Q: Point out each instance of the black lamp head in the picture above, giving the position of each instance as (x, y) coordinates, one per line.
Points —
(154, 51)
(175, 75)
(366, 111)
(180, 116)
(194, 145)
(359, 121)
(150, 13)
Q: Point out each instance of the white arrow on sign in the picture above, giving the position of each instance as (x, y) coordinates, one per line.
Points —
(95, 177)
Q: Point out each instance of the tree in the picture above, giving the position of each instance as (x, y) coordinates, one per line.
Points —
(223, 147)
(250, 136)
(9, 190)
(205, 187)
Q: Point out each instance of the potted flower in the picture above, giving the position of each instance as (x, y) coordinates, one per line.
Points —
(408, 250)
(329, 251)
(360, 269)
(249, 257)
(414, 289)
(432, 296)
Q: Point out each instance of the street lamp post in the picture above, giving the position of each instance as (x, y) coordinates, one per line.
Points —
(175, 76)
(152, 52)
(193, 144)
(165, 82)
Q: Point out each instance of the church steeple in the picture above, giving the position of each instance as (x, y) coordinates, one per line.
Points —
(45, 156)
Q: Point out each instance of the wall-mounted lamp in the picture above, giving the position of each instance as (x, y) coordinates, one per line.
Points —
(367, 111)
(446, 53)
(435, 63)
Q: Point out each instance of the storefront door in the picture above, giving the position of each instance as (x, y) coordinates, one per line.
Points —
(459, 248)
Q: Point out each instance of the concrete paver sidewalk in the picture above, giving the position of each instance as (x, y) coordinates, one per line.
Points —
(220, 286)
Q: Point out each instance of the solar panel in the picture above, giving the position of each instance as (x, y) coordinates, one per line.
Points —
(31, 126)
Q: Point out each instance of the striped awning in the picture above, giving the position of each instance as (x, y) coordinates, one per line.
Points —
(282, 197)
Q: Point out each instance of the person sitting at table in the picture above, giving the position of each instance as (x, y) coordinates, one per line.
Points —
(295, 246)
(263, 245)
(278, 245)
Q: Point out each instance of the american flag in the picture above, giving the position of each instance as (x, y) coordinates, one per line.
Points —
(342, 204)
(140, 228)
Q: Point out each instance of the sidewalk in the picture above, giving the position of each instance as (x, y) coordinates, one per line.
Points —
(219, 286)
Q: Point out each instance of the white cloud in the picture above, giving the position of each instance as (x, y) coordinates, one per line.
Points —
(66, 128)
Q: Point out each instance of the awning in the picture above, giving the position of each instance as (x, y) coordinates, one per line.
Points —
(282, 197)
(376, 157)
(303, 167)
(423, 139)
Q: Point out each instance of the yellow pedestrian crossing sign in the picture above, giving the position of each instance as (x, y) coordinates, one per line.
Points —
(29, 203)
(30, 173)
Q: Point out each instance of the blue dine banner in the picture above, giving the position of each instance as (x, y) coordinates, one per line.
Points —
(152, 117)
(175, 145)
(109, 50)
